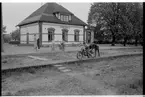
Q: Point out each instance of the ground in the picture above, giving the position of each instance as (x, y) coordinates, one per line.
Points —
(12, 62)
(120, 76)
(14, 49)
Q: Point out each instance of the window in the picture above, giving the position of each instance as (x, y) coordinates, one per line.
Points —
(65, 18)
(76, 35)
(65, 35)
(50, 34)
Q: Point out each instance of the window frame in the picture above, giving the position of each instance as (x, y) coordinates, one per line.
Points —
(76, 35)
(67, 18)
(63, 17)
(65, 35)
(50, 34)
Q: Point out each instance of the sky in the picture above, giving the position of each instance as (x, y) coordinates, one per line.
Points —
(14, 13)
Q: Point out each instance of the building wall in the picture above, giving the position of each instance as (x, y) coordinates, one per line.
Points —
(58, 33)
(34, 29)
(31, 29)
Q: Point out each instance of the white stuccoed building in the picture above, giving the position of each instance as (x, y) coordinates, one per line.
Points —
(52, 22)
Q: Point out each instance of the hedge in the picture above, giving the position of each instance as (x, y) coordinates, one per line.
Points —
(14, 42)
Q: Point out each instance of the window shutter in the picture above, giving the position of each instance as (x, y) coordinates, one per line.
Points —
(53, 35)
(67, 36)
(59, 16)
(69, 17)
(78, 36)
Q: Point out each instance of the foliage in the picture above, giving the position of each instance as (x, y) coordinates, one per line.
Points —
(105, 14)
(16, 35)
(131, 20)
(6, 37)
(121, 20)
(14, 42)
(4, 29)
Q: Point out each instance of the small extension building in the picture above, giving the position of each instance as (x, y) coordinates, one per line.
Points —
(52, 22)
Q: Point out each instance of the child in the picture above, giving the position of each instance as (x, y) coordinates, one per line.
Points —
(85, 47)
(53, 45)
(35, 42)
(38, 43)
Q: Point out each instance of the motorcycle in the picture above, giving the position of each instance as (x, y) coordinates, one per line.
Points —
(90, 53)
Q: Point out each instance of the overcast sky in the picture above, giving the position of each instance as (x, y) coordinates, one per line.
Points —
(14, 13)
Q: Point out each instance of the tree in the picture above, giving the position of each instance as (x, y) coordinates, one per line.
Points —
(4, 29)
(98, 33)
(125, 25)
(16, 35)
(105, 14)
(124, 20)
(7, 38)
(131, 21)
(137, 22)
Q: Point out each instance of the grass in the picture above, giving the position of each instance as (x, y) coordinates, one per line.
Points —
(122, 76)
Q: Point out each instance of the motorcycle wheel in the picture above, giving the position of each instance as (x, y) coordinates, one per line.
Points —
(79, 55)
(92, 52)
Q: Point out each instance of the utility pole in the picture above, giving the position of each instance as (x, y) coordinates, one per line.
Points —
(2, 49)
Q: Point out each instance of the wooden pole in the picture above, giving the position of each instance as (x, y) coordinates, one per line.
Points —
(2, 49)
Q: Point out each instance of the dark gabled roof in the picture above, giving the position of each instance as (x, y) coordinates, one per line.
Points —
(46, 14)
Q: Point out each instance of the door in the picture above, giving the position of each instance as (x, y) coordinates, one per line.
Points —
(88, 37)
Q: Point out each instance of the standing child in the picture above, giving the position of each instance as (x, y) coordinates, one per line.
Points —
(35, 42)
(53, 45)
(63, 45)
(38, 45)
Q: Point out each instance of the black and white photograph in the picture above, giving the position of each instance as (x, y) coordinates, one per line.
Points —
(71, 48)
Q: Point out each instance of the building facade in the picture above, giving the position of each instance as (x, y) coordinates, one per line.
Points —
(52, 22)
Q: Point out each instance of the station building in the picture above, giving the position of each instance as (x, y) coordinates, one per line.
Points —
(53, 23)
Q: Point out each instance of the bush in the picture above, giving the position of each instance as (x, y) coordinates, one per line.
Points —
(14, 42)
(141, 43)
(6, 38)
(104, 42)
